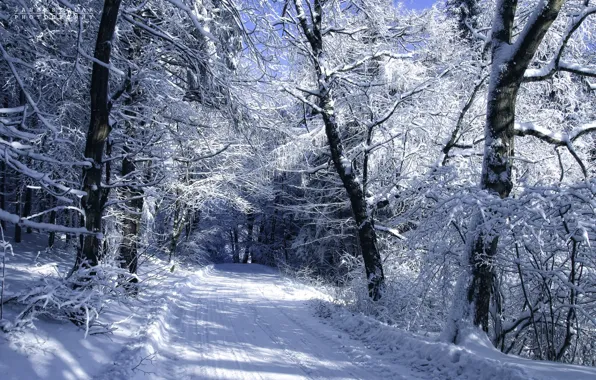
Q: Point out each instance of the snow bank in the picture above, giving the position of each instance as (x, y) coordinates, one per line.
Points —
(475, 359)
(151, 337)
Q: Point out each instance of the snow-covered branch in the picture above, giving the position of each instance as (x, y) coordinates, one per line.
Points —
(556, 63)
(196, 19)
(555, 138)
(368, 58)
(16, 219)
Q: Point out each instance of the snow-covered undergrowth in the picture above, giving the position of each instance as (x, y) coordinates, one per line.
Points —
(151, 337)
(79, 297)
(40, 282)
(408, 301)
(56, 332)
(474, 359)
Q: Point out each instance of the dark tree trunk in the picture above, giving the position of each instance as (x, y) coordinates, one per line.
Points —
(132, 194)
(28, 205)
(258, 257)
(3, 191)
(99, 130)
(235, 247)
(70, 222)
(177, 226)
(17, 227)
(250, 221)
(20, 183)
(3, 174)
(344, 168)
(52, 237)
(509, 62)
(496, 178)
(188, 226)
(364, 222)
(130, 223)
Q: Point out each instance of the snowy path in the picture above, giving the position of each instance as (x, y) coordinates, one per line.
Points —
(243, 322)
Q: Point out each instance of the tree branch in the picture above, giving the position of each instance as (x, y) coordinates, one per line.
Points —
(533, 75)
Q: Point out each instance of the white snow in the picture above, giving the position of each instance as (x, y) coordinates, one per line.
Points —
(243, 321)
(474, 359)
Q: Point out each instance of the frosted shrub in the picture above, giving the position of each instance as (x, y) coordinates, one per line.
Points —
(79, 298)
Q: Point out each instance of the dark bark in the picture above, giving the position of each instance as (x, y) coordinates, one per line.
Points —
(178, 224)
(28, 206)
(17, 227)
(258, 257)
(250, 221)
(364, 222)
(348, 175)
(466, 12)
(235, 247)
(99, 130)
(131, 219)
(20, 182)
(3, 191)
(52, 237)
(512, 61)
(70, 222)
(133, 207)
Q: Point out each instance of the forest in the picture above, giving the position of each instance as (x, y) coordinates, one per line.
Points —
(431, 169)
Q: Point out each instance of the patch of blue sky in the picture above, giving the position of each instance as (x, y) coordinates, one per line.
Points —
(417, 4)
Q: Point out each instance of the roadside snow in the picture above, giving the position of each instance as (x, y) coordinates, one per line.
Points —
(58, 349)
(475, 359)
(237, 321)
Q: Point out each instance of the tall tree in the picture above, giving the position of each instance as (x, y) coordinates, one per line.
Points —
(510, 61)
(312, 29)
(99, 130)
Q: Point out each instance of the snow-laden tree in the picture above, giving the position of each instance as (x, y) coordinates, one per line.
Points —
(351, 51)
(510, 59)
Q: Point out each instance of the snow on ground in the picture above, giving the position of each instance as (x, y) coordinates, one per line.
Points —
(235, 321)
(475, 359)
(59, 349)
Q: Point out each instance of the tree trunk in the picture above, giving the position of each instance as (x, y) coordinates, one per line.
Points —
(509, 63)
(28, 205)
(177, 226)
(235, 247)
(131, 220)
(3, 191)
(258, 257)
(497, 179)
(132, 195)
(99, 130)
(364, 222)
(363, 218)
(17, 227)
(20, 180)
(250, 220)
(52, 237)
(188, 226)
(70, 222)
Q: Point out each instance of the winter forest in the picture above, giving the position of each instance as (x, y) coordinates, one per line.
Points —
(202, 188)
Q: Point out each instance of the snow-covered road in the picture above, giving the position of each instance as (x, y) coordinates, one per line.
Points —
(239, 321)
(244, 322)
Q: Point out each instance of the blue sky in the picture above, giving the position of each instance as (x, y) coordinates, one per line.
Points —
(418, 4)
